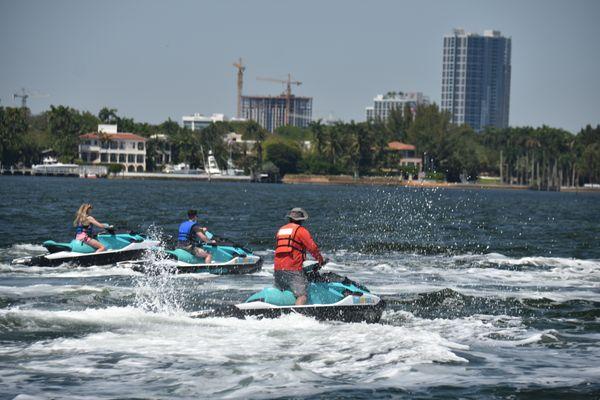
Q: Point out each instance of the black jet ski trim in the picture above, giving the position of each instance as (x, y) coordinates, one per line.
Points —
(119, 247)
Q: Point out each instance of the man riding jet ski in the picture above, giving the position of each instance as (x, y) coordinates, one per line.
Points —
(88, 248)
(199, 251)
(329, 297)
(300, 288)
(291, 243)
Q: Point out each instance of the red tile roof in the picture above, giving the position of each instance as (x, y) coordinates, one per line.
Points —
(120, 135)
(400, 146)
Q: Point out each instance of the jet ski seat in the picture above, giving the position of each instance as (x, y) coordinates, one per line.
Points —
(55, 247)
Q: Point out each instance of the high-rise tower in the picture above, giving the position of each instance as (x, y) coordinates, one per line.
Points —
(476, 78)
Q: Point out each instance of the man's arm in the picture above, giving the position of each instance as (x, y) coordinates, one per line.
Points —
(310, 245)
(200, 233)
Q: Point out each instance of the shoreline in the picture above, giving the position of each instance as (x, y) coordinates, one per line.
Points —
(293, 179)
(175, 176)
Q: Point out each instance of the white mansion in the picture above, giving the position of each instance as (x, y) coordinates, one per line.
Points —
(107, 146)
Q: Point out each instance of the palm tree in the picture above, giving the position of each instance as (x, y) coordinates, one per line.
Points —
(108, 115)
(319, 135)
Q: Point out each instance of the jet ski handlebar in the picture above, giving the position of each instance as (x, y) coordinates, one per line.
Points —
(313, 266)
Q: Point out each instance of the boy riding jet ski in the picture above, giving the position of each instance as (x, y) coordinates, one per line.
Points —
(199, 251)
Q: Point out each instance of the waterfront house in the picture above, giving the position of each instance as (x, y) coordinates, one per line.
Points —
(405, 156)
(108, 146)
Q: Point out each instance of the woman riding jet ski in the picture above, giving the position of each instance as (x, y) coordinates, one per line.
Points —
(90, 249)
(330, 297)
(198, 251)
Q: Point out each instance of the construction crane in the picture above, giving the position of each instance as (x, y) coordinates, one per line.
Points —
(24, 96)
(240, 85)
(288, 93)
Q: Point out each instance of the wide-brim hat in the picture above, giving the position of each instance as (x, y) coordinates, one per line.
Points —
(297, 214)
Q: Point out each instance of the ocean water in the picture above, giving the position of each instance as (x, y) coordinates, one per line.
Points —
(490, 294)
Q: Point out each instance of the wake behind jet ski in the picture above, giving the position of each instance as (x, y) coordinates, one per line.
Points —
(330, 297)
(117, 247)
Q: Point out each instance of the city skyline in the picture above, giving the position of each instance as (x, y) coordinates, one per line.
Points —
(155, 61)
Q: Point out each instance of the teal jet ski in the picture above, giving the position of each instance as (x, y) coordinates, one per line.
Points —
(119, 247)
(330, 297)
(228, 258)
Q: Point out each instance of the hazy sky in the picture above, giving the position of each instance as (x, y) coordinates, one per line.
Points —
(158, 59)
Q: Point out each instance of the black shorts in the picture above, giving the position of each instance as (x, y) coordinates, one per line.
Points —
(294, 281)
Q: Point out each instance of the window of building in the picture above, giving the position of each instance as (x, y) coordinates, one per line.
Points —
(140, 145)
(113, 157)
(113, 145)
(103, 157)
(133, 145)
(130, 158)
(121, 158)
(140, 159)
(121, 145)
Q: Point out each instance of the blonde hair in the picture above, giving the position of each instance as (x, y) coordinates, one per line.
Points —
(82, 214)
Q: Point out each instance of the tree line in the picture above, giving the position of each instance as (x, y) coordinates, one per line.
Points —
(539, 157)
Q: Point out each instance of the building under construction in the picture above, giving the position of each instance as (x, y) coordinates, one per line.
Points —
(271, 111)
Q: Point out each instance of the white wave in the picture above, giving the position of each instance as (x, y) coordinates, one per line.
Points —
(21, 250)
(46, 290)
(495, 258)
(28, 247)
(490, 331)
(288, 356)
(536, 338)
(93, 271)
(68, 271)
(298, 348)
(558, 279)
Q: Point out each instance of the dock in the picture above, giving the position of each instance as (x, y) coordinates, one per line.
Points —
(176, 176)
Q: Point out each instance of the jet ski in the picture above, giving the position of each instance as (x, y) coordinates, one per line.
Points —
(119, 247)
(330, 297)
(228, 258)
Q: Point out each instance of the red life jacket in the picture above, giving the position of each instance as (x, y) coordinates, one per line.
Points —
(286, 240)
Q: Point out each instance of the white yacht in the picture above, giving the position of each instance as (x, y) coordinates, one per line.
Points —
(51, 166)
(211, 167)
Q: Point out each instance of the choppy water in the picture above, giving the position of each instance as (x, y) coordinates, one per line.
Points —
(491, 294)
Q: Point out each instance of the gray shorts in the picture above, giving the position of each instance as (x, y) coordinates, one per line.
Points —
(294, 281)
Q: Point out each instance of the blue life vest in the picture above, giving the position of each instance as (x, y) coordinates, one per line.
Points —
(89, 230)
(186, 233)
